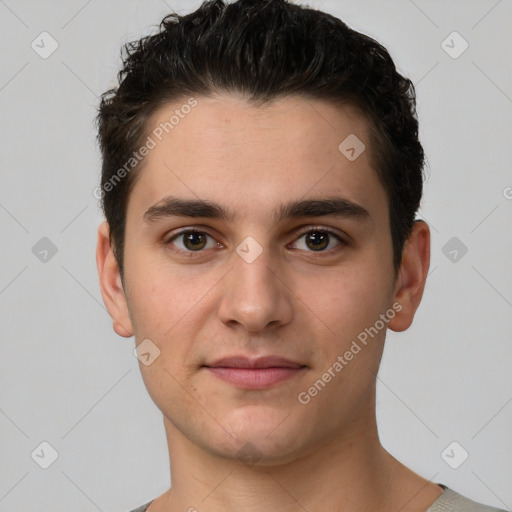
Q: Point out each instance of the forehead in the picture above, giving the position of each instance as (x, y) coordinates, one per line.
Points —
(227, 149)
(292, 123)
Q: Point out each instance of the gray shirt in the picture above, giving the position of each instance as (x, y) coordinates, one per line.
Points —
(449, 501)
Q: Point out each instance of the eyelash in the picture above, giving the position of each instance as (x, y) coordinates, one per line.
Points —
(314, 229)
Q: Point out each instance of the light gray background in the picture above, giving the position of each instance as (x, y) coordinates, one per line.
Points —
(68, 379)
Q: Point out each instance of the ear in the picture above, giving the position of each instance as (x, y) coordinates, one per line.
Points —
(412, 276)
(111, 285)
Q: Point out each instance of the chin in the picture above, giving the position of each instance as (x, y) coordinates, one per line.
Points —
(259, 452)
(265, 441)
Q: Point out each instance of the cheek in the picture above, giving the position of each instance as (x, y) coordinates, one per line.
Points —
(169, 306)
(160, 295)
(352, 336)
(349, 300)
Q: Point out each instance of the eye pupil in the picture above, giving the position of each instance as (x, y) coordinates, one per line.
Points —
(318, 239)
(194, 240)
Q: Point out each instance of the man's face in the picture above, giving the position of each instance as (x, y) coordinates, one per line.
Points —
(290, 290)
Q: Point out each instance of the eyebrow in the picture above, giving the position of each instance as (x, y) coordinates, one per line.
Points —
(172, 206)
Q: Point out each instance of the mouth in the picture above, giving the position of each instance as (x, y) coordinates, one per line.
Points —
(257, 373)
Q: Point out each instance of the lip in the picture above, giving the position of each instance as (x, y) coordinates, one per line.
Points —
(254, 373)
(254, 363)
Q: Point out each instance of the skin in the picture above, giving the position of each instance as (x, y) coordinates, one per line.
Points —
(291, 301)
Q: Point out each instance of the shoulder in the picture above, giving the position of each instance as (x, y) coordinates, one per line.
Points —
(142, 508)
(451, 501)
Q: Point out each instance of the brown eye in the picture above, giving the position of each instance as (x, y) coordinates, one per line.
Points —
(192, 241)
(318, 240)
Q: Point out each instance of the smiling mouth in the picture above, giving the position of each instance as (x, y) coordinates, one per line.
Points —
(259, 373)
(254, 378)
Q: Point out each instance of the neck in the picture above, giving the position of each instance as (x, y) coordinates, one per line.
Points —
(351, 471)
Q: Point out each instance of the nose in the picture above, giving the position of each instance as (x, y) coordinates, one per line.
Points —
(255, 295)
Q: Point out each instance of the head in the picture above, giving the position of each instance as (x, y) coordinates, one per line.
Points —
(235, 120)
(265, 51)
